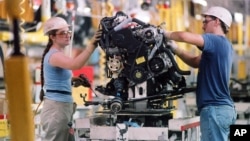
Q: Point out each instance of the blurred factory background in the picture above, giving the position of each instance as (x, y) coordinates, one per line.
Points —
(173, 14)
(85, 15)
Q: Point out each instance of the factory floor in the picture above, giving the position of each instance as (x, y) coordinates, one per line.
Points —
(186, 108)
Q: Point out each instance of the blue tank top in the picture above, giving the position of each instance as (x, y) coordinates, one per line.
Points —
(56, 81)
(214, 72)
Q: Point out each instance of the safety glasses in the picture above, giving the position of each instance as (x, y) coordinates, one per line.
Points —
(207, 21)
(64, 33)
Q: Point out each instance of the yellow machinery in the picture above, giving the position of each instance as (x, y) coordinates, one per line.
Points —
(26, 16)
(104, 9)
(17, 75)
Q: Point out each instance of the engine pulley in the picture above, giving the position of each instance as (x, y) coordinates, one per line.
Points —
(116, 105)
(138, 75)
(156, 65)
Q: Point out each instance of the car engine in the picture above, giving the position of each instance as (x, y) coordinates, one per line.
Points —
(143, 73)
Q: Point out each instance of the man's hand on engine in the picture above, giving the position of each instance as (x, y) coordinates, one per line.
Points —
(172, 45)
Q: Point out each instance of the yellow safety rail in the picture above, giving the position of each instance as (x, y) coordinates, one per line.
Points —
(18, 81)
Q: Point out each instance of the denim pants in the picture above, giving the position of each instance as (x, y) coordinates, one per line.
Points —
(215, 122)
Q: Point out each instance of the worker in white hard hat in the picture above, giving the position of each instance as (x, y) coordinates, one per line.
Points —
(56, 75)
(214, 103)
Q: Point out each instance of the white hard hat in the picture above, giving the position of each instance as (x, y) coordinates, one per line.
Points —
(54, 23)
(223, 14)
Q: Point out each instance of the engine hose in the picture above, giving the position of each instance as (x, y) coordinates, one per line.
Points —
(175, 64)
(156, 47)
(2, 56)
(2, 61)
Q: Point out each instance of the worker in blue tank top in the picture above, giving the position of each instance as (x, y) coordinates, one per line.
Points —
(214, 103)
(56, 75)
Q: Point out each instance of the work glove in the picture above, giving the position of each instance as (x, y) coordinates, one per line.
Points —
(172, 45)
(94, 41)
(96, 38)
(82, 80)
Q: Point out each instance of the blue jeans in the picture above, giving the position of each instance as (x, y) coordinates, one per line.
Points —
(215, 122)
